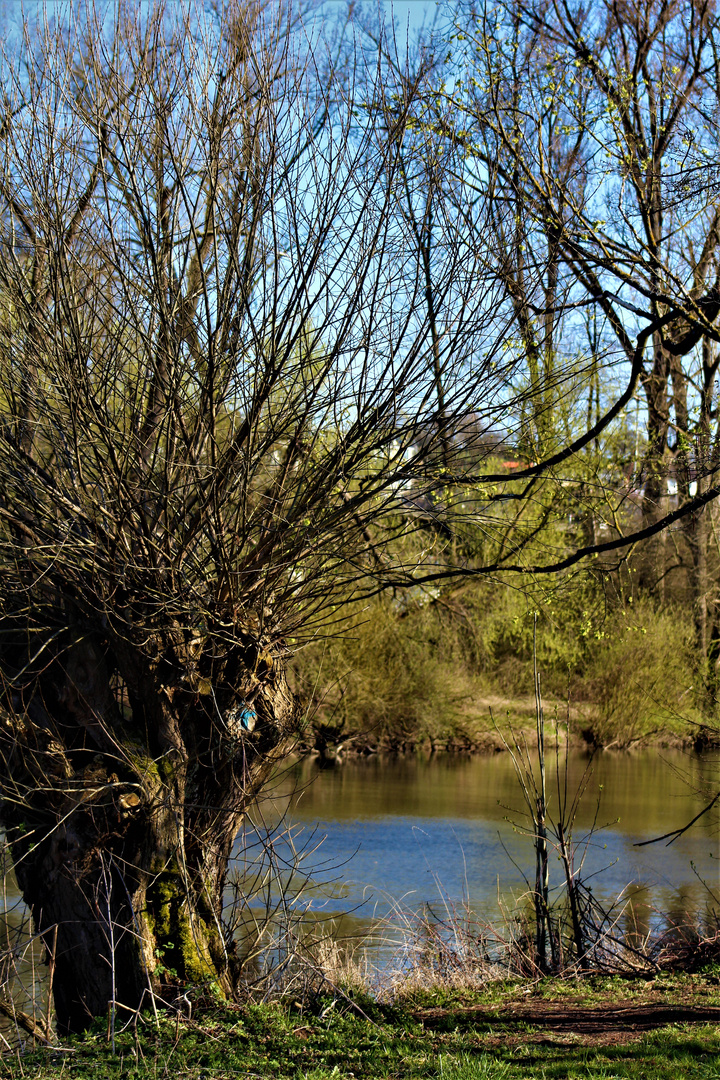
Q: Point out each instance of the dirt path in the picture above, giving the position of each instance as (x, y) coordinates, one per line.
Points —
(555, 1022)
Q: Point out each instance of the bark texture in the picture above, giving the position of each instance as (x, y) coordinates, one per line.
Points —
(131, 771)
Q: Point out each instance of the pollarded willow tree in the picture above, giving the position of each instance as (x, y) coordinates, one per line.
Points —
(216, 355)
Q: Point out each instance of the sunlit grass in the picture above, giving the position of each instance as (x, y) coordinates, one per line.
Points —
(445, 1038)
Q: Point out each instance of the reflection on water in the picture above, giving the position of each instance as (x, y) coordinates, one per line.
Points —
(23, 972)
(377, 840)
(401, 834)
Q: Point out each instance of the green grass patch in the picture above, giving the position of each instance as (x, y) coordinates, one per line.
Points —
(449, 1037)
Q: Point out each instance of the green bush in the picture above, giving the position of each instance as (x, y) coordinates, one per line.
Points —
(505, 618)
(416, 674)
(641, 674)
(395, 675)
(633, 663)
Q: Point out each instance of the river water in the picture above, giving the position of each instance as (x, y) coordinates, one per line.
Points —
(371, 842)
(383, 839)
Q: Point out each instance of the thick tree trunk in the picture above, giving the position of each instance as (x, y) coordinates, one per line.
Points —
(128, 918)
(655, 469)
(703, 582)
(699, 528)
(123, 843)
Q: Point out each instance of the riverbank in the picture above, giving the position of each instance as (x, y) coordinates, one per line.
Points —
(489, 723)
(445, 676)
(667, 1028)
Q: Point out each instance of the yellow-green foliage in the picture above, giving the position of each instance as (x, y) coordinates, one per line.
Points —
(505, 633)
(632, 662)
(417, 674)
(641, 673)
(390, 674)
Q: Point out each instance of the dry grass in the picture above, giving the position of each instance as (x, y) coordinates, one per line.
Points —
(432, 952)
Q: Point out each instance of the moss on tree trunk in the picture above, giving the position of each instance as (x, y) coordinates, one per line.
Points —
(128, 797)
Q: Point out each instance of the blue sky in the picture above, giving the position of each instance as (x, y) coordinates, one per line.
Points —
(410, 13)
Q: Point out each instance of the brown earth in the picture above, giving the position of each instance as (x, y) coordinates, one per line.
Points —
(555, 1022)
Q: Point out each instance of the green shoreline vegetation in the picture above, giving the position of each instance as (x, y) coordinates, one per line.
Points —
(455, 672)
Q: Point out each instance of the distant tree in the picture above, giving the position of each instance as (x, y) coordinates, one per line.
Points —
(590, 131)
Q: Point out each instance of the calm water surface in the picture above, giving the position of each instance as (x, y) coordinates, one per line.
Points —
(389, 836)
(378, 840)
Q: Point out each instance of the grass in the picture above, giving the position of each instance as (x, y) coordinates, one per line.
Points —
(505, 1034)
